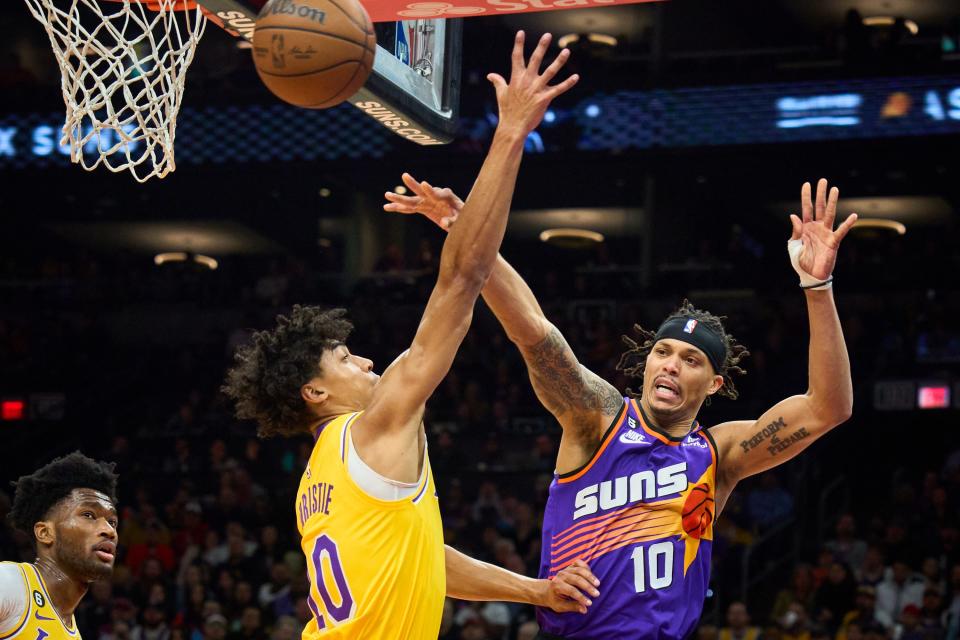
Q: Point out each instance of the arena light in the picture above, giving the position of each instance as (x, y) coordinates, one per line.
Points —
(170, 256)
(571, 238)
(596, 38)
(889, 21)
(12, 410)
(881, 223)
(933, 396)
(400, 190)
(182, 256)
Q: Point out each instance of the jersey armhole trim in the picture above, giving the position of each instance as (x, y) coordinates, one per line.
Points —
(422, 483)
(716, 454)
(18, 627)
(70, 629)
(615, 424)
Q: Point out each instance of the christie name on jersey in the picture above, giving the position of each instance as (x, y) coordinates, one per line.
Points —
(315, 499)
(643, 485)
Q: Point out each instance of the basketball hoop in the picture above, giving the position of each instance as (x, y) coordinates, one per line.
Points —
(124, 65)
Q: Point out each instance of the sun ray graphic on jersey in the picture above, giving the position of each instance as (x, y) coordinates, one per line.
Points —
(696, 516)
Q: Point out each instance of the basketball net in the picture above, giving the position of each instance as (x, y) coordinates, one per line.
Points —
(124, 66)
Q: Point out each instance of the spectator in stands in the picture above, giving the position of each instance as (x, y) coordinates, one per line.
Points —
(872, 571)
(863, 615)
(845, 546)
(215, 627)
(896, 592)
(835, 597)
(795, 623)
(931, 611)
(738, 624)
(769, 504)
(801, 590)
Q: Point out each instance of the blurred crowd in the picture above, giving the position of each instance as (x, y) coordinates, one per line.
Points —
(208, 542)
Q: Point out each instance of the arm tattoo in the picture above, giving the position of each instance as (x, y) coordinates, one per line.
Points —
(564, 385)
(776, 443)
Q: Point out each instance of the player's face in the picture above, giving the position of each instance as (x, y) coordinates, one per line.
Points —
(85, 544)
(348, 379)
(678, 378)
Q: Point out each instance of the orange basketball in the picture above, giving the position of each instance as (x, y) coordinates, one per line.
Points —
(314, 53)
(698, 511)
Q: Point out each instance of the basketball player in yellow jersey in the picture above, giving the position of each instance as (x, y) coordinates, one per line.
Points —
(68, 508)
(367, 506)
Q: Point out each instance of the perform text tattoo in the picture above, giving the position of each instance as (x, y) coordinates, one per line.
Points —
(763, 434)
(777, 445)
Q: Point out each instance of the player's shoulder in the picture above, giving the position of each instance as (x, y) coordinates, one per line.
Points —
(13, 586)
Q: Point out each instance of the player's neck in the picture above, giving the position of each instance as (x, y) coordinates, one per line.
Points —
(675, 425)
(65, 592)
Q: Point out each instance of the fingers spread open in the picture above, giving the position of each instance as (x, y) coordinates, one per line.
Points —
(845, 227)
(555, 66)
(516, 58)
(536, 58)
(806, 204)
(797, 229)
(563, 87)
(411, 183)
(821, 198)
(831, 212)
(499, 84)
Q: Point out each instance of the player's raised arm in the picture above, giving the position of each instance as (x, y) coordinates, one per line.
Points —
(750, 446)
(470, 250)
(582, 402)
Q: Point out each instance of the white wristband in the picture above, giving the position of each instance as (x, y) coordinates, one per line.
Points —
(807, 281)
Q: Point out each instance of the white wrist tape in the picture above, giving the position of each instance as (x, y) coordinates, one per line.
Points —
(807, 281)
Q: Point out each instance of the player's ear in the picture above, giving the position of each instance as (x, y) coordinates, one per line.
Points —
(313, 394)
(715, 385)
(44, 533)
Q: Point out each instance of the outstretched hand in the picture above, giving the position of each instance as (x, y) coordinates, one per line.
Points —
(525, 99)
(571, 589)
(815, 229)
(442, 206)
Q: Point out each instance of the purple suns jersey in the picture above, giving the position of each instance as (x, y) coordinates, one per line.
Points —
(640, 513)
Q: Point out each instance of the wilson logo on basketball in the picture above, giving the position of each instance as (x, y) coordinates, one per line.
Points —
(291, 8)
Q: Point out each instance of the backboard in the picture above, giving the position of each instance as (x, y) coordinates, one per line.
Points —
(414, 89)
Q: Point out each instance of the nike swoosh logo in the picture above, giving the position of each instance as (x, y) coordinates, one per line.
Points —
(40, 617)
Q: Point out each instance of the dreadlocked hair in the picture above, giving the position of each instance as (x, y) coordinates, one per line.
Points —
(634, 360)
(269, 371)
(36, 494)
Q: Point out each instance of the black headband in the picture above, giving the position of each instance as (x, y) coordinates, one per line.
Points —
(699, 335)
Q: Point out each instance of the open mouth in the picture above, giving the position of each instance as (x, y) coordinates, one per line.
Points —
(666, 389)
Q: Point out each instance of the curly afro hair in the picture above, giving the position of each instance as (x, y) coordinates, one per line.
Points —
(634, 360)
(39, 492)
(268, 372)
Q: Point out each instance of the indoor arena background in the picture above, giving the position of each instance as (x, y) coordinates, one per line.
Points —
(682, 138)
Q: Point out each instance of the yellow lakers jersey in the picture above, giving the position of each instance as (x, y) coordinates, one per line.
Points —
(376, 567)
(40, 621)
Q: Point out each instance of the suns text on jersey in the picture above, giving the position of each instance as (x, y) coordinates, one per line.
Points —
(315, 499)
(642, 485)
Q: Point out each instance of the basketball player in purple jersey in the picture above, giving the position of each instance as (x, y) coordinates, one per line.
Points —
(638, 480)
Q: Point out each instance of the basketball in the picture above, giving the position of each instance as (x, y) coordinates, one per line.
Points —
(697, 511)
(314, 53)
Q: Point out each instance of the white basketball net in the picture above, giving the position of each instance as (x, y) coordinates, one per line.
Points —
(124, 68)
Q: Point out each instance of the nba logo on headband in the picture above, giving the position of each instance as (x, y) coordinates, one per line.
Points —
(690, 326)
